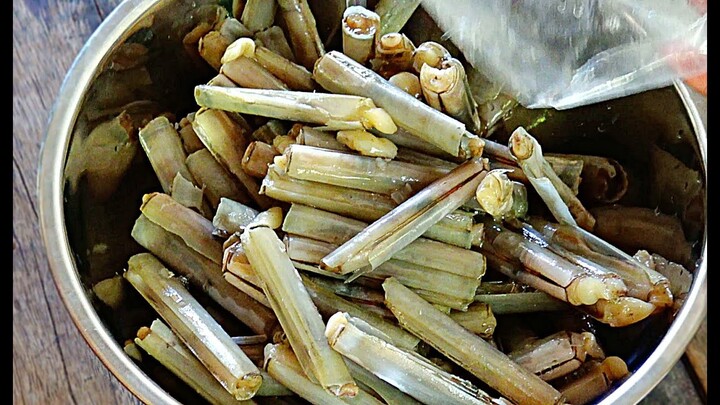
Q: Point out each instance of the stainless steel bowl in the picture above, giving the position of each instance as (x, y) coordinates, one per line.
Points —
(68, 227)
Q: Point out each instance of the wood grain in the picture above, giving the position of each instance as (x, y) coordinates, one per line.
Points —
(696, 357)
(52, 364)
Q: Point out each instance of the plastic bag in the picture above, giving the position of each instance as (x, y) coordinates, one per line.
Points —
(567, 53)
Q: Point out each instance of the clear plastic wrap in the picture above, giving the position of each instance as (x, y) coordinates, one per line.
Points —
(567, 53)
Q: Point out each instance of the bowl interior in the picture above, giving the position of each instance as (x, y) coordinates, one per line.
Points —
(162, 79)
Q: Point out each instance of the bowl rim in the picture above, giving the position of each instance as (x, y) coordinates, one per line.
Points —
(54, 150)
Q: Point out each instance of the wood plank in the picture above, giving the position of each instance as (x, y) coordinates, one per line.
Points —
(696, 356)
(105, 7)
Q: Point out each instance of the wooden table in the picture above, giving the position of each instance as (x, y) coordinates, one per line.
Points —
(52, 364)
